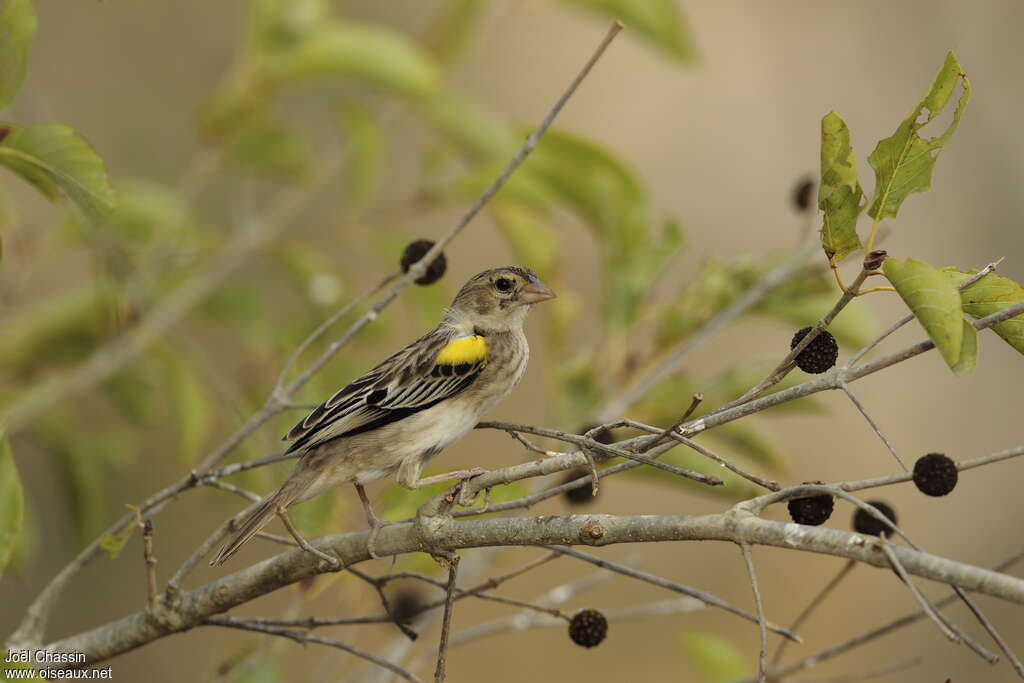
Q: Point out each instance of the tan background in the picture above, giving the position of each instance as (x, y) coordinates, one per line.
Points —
(719, 145)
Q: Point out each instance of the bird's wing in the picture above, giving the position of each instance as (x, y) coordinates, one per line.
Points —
(434, 367)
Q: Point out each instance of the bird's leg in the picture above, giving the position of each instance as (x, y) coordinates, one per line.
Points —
(462, 476)
(303, 543)
(373, 520)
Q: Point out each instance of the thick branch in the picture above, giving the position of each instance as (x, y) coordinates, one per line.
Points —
(292, 566)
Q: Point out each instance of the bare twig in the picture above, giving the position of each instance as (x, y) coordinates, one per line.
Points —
(673, 428)
(307, 637)
(868, 675)
(874, 425)
(811, 606)
(762, 656)
(150, 559)
(618, 404)
(932, 613)
(446, 621)
(661, 582)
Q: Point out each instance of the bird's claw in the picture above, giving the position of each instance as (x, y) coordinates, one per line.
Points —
(463, 498)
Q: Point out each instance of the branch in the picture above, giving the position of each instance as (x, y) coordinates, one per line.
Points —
(196, 606)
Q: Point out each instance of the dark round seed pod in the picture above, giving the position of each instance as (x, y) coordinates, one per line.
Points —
(935, 474)
(863, 523)
(581, 495)
(812, 510)
(406, 605)
(588, 628)
(820, 355)
(414, 251)
(802, 194)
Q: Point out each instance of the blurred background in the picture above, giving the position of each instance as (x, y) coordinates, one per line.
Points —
(664, 191)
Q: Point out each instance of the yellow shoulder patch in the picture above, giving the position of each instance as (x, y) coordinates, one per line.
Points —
(470, 350)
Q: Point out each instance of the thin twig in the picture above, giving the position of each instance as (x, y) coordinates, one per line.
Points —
(672, 428)
(878, 631)
(150, 559)
(661, 582)
(378, 586)
(307, 637)
(874, 425)
(620, 402)
(868, 675)
(812, 605)
(446, 621)
(923, 601)
(762, 656)
(788, 363)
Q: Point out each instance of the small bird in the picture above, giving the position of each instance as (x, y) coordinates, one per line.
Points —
(411, 406)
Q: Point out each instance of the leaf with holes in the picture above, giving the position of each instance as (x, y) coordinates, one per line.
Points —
(903, 162)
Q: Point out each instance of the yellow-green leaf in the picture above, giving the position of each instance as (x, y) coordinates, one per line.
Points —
(934, 301)
(968, 351)
(989, 295)
(364, 151)
(12, 504)
(839, 195)
(903, 163)
(659, 21)
(53, 156)
(715, 658)
(376, 56)
(17, 29)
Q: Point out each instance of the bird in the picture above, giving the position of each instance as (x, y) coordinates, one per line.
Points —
(411, 406)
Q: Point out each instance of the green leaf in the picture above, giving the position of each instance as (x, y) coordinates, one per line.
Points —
(839, 195)
(17, 29)
(53, 156)
(989, 295)
(477, 131)
(968, 352)
(376, 56)
(364, 152)
(659, 21)
(903, 163)
(715, 658)
(853, 327)
(12, 504)
(934, 301)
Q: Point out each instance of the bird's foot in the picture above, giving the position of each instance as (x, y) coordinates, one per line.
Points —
(376, 524)
(461, 493)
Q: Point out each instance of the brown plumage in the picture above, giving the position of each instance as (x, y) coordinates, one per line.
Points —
(414, 404)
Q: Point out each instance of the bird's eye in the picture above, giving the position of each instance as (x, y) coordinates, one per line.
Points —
(503, 284)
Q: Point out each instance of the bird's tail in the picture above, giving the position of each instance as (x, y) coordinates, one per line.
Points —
(257, 517)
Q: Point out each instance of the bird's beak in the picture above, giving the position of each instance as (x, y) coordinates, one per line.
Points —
(535, 292)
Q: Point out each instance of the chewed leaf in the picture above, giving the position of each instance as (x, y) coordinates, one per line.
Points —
(989, 295)
(934, 301)
(17, 29)
(839, 195)
(54, 156)
(903, 163)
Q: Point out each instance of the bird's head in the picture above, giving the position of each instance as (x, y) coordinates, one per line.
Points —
(499, 299)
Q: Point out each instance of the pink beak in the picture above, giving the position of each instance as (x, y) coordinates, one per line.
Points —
(535, 292)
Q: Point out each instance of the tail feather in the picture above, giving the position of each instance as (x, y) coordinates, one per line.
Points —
(255, 520)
